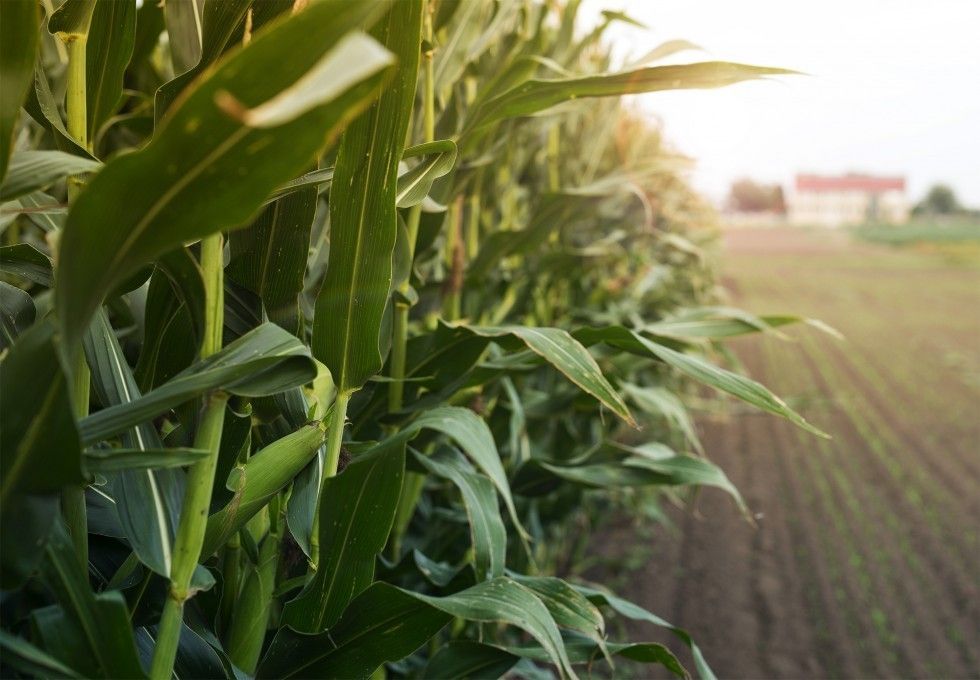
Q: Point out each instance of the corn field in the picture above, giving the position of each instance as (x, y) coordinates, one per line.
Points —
(324, 322)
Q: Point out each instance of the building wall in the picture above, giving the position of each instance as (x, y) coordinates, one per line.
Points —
(841, 208)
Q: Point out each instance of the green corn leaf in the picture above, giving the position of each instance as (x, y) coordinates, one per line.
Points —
(506, 601)
(363, 223)
(382, 624)
(184, 21)
(663, 403)
(255, 482)
(694, 367)
(71, 19)
(386, 623)
(265, 361)
(176, 199)
(30, 660)
(637, 470)
(537, 95)
(27, 262)
(354, 527)
(438, 160)
(637, 613)
(43, 108)
(414, 183)
(147, 500)
(566, 354)
(187, 279)
(32, 170)
(110, 45)
(202, 35)
(587, 652)
(171, 338)
(568, 607)
(17, 313)
(269, 256)
(716, 323)
(18, 48)
(104, 461)
(487, 532)
(468, 659)
(99, 622)
(473, 436)
(39, 449)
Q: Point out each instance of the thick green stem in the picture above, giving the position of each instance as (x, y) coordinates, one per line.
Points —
(200, 478)
(73, 498)
(453, 286)
(554, 146)
(335, 439)
(335, 436)
(396, 390)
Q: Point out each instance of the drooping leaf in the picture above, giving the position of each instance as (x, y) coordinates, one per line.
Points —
(27, 262)
(694, 367)
(18, 48)
(565, 353)
(489, 537)
(363, 225)
(17, 313)
(503, 600)
(663, 403)
(265, 361)
(637, 613)
(569, 608)
(107, 53)
(32, 170)
(582, 651)
(354, 527)
(472, 436)
(438, 159)
(43, 108)
(386, 623)
(176, 198)
(257, 481)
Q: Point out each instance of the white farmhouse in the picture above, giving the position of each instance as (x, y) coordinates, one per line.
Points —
(845, 200)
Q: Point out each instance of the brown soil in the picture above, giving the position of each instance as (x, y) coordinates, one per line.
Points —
(865, 561)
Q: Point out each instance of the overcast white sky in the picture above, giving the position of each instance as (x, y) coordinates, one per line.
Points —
(893, 87)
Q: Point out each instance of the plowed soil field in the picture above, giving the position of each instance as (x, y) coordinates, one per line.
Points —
(865, 561)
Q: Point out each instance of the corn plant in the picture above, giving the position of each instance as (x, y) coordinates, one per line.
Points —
(323, 320)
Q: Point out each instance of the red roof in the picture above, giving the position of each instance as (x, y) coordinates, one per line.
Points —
(866, 183)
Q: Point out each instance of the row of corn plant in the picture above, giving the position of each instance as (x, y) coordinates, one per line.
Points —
(322, 321)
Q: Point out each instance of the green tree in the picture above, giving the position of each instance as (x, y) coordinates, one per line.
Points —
(941, 200)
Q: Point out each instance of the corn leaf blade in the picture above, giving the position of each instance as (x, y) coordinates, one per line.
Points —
(18, 47)
(363, 223)
(177, 200)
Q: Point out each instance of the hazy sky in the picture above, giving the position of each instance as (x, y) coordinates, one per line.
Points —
(893, 87)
